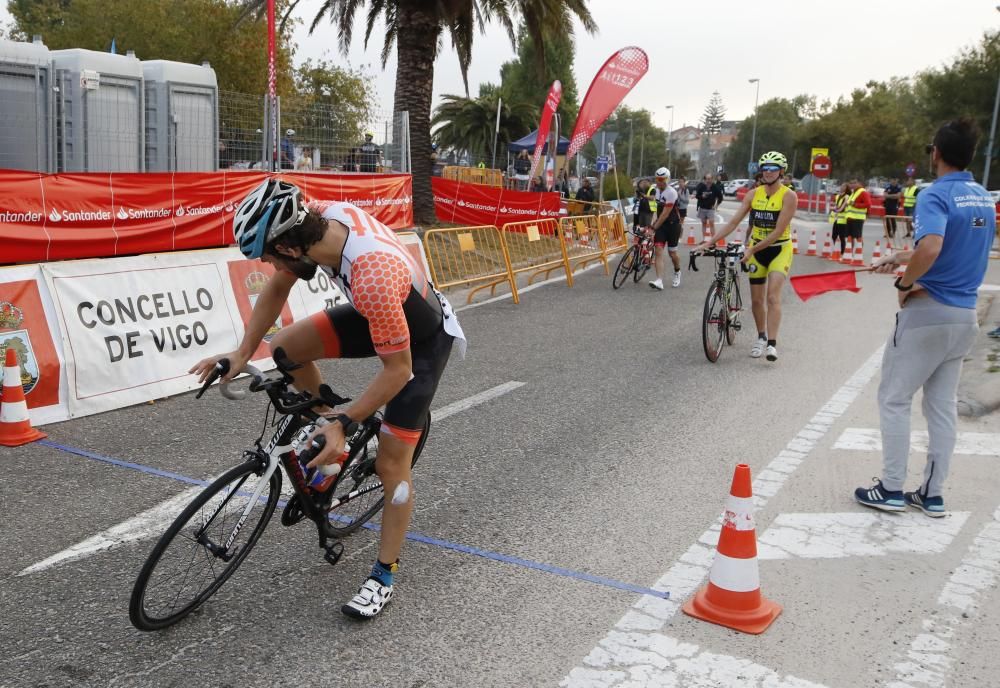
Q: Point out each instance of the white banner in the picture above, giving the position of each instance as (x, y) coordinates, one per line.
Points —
(134, 326)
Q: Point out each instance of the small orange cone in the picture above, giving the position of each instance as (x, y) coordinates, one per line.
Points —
(811, 251)
(826, 247)
(835, 254)
(732, 597)
(795, 242)
(15, 424)
(859, 253)
(877, 253)
(849, 253)
(691, 241)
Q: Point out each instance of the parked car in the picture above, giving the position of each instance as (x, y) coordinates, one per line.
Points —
(731, 187)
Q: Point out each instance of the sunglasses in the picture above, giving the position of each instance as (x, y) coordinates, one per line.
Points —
(770, 168)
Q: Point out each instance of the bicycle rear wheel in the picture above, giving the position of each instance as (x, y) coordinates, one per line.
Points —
(203, 547)
(358, 475)
(713, 323)
(734, 304)
(626, 264)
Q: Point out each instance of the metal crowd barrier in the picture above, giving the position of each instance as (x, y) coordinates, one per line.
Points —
(460, 256)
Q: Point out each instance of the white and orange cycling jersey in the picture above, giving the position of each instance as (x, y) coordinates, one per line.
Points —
(385, 284)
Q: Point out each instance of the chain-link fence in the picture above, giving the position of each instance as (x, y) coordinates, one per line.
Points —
(81, 111)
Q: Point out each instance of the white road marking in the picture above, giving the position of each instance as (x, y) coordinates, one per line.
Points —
(852, 534)
(154, 521)
(969, 443)
(989, 287)
(927, 662)
(147, 524)
(649, 613)
(659, 660)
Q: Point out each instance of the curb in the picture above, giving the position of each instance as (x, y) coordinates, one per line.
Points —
(977, 397)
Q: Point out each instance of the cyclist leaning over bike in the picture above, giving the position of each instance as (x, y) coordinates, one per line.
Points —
(394, 313)
(667, 228)
(769, 253)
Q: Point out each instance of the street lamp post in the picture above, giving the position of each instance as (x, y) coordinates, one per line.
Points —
(670, 131)
(753, 135)
(630, 148)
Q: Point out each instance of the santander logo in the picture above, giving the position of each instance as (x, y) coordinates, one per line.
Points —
(122, 214)
(54, 216)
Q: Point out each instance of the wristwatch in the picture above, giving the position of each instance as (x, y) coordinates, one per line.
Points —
(350, 426)
(900, 286)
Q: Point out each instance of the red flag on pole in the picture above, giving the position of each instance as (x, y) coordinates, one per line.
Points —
(549, 109)
(808, 286)
(272, 91)
(615, 79)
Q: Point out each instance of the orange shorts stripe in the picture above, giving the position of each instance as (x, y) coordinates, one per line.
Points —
(324, 328)
(411, 437)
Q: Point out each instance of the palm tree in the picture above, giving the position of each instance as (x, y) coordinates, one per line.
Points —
(416, 29)
(468, 124)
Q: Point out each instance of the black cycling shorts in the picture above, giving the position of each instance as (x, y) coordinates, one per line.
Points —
(669, 235)
(345, 334)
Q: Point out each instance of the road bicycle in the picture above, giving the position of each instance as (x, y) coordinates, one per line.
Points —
(213, 535)
(636, 260)
(723, 302)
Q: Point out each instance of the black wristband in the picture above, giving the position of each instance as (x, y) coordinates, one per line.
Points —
(350, 426)
(900, 286)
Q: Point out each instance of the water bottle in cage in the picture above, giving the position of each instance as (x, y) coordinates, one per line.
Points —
(321, 478)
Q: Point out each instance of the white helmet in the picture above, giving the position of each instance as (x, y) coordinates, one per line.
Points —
(663, 173)
(269, 211)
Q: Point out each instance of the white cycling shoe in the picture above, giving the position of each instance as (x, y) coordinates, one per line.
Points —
(657, 284)
(758, 348)
(677, 279)
(371, 599)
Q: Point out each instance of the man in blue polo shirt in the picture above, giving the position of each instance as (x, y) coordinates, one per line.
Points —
(955, 220)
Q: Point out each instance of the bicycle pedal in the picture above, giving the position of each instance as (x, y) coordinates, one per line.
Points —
(333, 553)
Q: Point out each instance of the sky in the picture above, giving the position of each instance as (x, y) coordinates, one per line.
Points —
(806, 46)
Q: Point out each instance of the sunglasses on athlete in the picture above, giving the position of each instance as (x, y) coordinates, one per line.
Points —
(770, 168)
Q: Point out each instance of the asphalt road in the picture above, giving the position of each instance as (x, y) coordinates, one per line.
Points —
(544, 517)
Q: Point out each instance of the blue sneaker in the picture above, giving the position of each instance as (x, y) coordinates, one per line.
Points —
(932, 506)
(877, 497)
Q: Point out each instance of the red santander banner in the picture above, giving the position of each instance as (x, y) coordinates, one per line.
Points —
(477, 204)
(98, 215)
(615, 79)
(549, 109)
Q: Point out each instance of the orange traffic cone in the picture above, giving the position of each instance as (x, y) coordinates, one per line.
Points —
(795, 242)
(690, 240)
(826, 247)
(835, 254)
(849, 253)
(15, 425)
(732, 597)
(811, 251)
(859, 253)
(877, 253)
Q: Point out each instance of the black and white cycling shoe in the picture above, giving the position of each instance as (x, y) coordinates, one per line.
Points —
(371, 599)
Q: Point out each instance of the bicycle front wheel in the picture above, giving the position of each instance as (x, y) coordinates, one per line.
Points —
(359, 477)
(625, 265)
(642, 266)
(734, 304)
(713, 323)
(203, 547)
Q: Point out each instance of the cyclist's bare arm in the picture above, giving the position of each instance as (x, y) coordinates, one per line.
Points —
(788, 206)
(265, 312)
(667, 208)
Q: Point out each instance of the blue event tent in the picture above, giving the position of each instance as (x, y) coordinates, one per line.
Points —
(528, 143)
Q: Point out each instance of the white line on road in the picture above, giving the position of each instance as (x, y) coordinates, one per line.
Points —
(852, 534)
(154, 521)
(989, 287)
(927, 662)
(659, 660)
(970, 443)
(683, 578)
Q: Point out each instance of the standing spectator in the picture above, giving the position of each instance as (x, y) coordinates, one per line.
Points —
(288, 150)
(304, 163)
(719, 190)
(370, 154)
(537, 184)
(858, 204)
(645, 205)
(891, 202)
(353, 161)
(707, 200)
(910, 192)
(936, 325)
(585, 192)
(562, 184)
(682, 198)
(522, 168)
(839, 216)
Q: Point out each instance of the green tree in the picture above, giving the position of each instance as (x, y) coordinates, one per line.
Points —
(648, 141)
(714, 115)
(527, 80)
(778, 121)
(190, 31)
(415, 29)
(468, 124)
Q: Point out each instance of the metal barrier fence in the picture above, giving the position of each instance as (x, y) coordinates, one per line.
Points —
(473, 175)
(535, 246)
(584, 241)
(461, 256)
(613, 226)
(893, 222)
